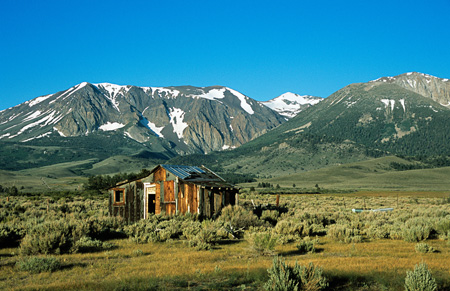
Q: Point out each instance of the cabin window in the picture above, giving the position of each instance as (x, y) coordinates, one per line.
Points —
(119, 196)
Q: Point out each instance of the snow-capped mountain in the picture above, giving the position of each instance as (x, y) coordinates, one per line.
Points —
(426, 85)
(187, 119)
(290, 104)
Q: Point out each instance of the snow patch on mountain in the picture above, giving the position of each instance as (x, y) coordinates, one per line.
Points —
(226, 147)
(5, 135)
(151, 126)
(33, 115)
(113, 92)
(244, 104)
(176, 116)
(213, 94)
(59, 132)
(78, 87)
(290, 104)
(39, 136)
(402, 101)
(38, 100)
(111, 126)
(160, 90)
(388, 102)
(47, 119)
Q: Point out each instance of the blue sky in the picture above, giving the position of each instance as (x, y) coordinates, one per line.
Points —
(260, 48)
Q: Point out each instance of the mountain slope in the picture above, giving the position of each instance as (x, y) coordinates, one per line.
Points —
(358, 122)
(173, 119)
(382, 115)
(290, 104)
(437, 89)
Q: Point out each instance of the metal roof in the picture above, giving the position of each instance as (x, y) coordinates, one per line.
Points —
(183, 171)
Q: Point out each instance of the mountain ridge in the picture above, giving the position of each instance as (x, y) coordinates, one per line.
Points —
(190, 119)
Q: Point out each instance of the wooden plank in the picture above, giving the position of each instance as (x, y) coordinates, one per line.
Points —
(194, 206)
(160, 175)
(217, 202)
(175, 191)
(158, 199)
(169, 196)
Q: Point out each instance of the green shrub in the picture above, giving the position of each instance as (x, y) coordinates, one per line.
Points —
(263, 243)
(416, 233)
(52, 237)
(289, 230)
(284, 277)
(238, 217)
(143, 231)
(204, 237)
(424, 248)
(420, 279)
(311, 277)
(416, 229)
(138, 253)
(307, 245)
(344, 233)
(281, 277)
(38, 264)
(89, 245)
(155, 229)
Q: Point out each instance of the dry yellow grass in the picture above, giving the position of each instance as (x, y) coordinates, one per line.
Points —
(379, 263)
(389, 259)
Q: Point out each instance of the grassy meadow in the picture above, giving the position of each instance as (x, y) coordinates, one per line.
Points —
(356, 251)
(375, 174)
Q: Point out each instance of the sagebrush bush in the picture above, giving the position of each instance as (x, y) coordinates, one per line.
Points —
(38, 264)
(416, 233)
(89, 245)
(262, 242)
(416, 229)
(420, 279)
(290, 230)
(344, 233)
(204, 237)
(138, 253)
(424, 248)
(239, 217)
(281, 277)
(307, 245)
(311, 277)
(284, 277)
(52, 237)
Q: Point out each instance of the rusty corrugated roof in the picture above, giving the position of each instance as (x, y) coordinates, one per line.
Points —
(183, 172)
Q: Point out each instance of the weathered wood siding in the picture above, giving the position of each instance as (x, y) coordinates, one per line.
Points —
(158, 199)
(169, 197)
(189, 197)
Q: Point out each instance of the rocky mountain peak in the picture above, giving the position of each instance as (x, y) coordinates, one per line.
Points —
(185, 119)
(290, 104)
(426, 85)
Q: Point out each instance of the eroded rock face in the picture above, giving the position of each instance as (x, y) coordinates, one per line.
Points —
(191, 119)
(426, 85)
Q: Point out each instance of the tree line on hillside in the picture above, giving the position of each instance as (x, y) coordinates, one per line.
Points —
(13, 190)
(421, 162)
(103, 182)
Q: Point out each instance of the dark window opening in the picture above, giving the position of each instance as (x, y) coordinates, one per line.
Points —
(119, 196)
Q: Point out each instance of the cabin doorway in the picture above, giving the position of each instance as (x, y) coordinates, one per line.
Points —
(151, 203)
(149, 199)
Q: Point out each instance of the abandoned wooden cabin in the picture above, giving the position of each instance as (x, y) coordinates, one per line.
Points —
(172, 189)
